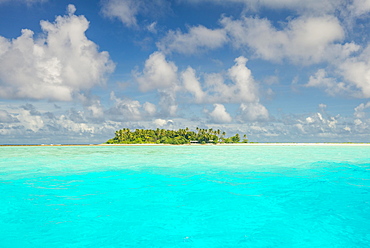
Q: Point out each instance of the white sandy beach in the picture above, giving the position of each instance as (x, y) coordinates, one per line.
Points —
(230, 144)
(249, 144)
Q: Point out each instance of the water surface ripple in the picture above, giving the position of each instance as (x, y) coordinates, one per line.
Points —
(185, 196)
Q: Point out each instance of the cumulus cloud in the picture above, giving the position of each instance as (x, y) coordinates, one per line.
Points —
(150, 108)
(158, 73)
(167, 102)
(93, 106)
(162, 122)
(303, 40)
(35, 125)
(29, 121)
(350, 76)
(243, 87)
(54, 67)
(356, 71)
(125, 109)
(191, 84)
(253, 112)
(198, 38)
(219, 114)
(329, 84)
(359, 7)
(161, 75)
(317, 35)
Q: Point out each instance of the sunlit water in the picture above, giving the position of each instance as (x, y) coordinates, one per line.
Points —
(185, 196)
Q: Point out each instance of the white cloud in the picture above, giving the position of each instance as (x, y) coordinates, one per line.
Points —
(74, 127)
(71, 9)
(150, 108)
(356, 71)
(5, 117)
(127, 11)
(55, 67)
(359, 7)
(360, 110)
(152, 27)
(92, 106)
(162, 122)
(242, 89)
(125, 109)
(329, 84)
(322, 106)
(39, 126)
(245, 87)
(216, 90)
(198, 39)
(357, 122)
(320, 122)
(96, 110)
(310, 120)
(167, 102)
(300, 127)
(254, 112)
(36, 125)
(123, 10)
(219, 114)
(158, 73)
(303, 40)
(31, 122)
(191, 84)
(161, 75)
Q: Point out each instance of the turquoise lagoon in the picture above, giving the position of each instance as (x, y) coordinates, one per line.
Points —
(185, 196)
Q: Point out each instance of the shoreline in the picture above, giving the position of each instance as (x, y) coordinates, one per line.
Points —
(198, 145)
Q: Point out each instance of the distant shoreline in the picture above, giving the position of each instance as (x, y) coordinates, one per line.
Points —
(221, 144)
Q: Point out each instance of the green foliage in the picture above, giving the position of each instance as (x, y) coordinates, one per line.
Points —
(181, 136)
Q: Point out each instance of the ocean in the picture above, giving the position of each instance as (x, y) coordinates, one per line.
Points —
(185, 196)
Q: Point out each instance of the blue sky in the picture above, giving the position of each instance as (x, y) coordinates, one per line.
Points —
(277, 70)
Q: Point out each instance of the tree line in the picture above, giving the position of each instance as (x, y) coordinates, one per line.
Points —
(176, 137)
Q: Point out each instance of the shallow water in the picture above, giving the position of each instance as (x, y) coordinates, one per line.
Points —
(185, 196)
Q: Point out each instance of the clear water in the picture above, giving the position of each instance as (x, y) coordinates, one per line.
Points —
(185, 196)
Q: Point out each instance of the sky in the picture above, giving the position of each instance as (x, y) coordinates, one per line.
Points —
(74, 72)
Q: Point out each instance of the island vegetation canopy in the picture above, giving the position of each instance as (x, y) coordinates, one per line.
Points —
(176, 137)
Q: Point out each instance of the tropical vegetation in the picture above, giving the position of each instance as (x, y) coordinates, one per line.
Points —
(177, 137)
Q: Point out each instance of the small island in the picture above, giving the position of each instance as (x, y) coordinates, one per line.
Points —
(179, 137)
